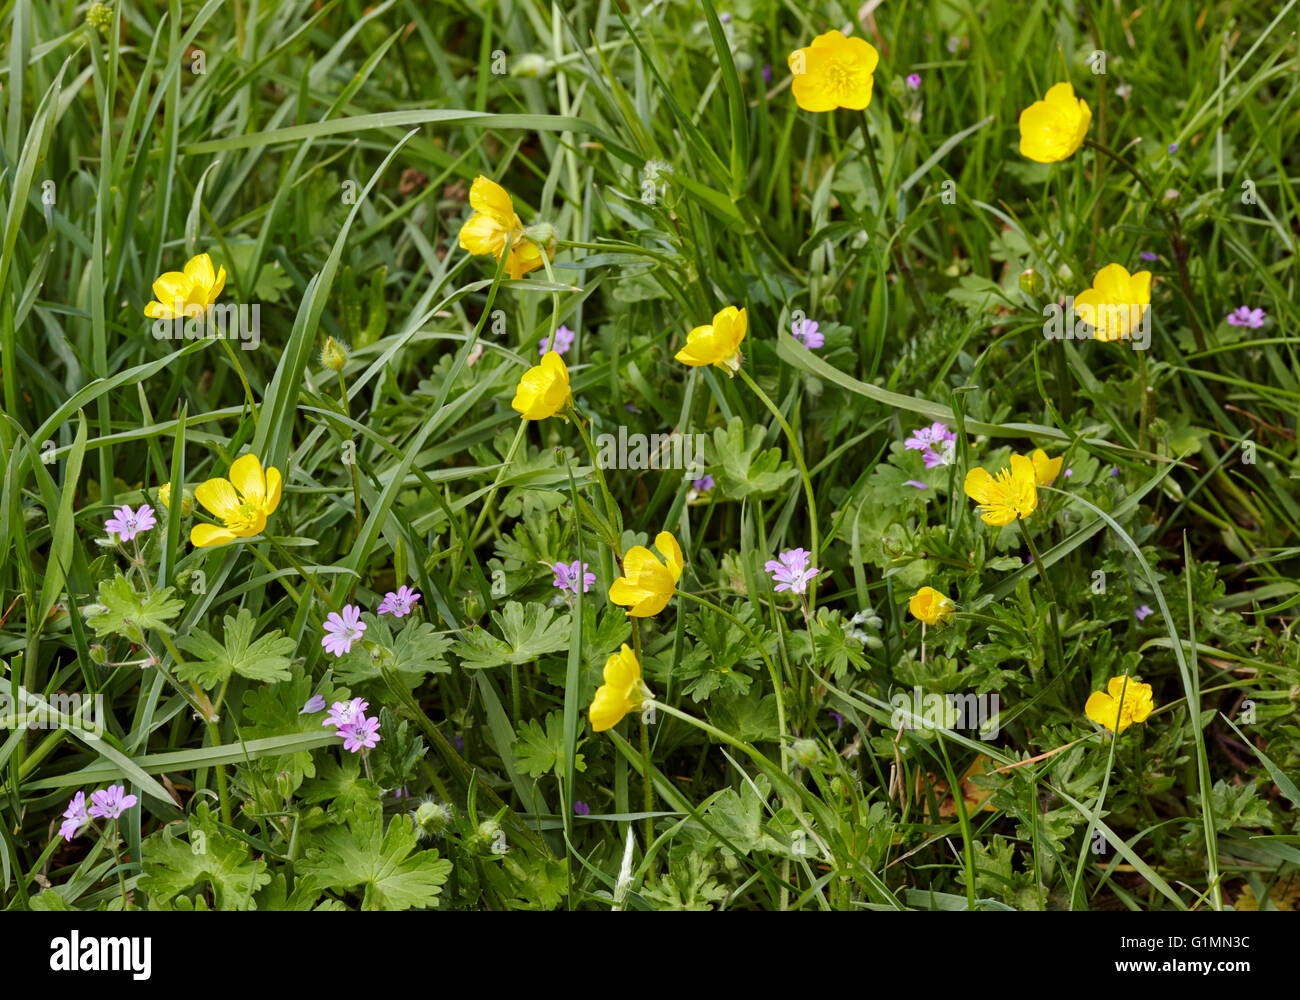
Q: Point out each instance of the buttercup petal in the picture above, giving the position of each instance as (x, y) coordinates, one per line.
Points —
(200, 272)
(204, 535)
(274, 483)
(672, 552)
(977, 484)
(627, 594)
(1102, 709)
(488, 196)
(247, 477)
(218, 496)
(170, 286)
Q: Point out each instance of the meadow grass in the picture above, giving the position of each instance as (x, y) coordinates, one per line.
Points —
(323, 152)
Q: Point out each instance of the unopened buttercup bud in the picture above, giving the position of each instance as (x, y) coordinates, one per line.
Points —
(531, 65)
(333, 355)
(807, 752)
(1030, 281)
(489, 835)
(543, 234)
(431, 818)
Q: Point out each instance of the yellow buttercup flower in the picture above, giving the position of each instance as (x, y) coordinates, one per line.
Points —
(165, 495)
(623, 691)
(647, 584)
(717, 343)
(180, 293)
(1106, 708)
(493, 224)
(1045, 469)
(1114, 304)
(1054, 128)
(835, 71)
(242, 503)
(1012, 494)
(543, 390)
(930, 606)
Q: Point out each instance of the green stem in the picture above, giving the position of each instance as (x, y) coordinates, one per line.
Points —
(243, 380)
(223, 789)
(900, 258)
(648, 782)
(1144, 403)
(803, 474)
(612, 512)
(492, 495)
(352, 466)
(1176, 241)
(111, 832)
(310, 578)
(1051, 597)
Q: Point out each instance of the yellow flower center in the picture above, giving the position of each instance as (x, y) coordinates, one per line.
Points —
(241, 518)
(843, 77)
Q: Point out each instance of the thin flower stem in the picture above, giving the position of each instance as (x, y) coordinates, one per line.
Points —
(1051, 597)
(900, 260)
(647, 780)
(110, 831)
(492, 495)
(1144, 403)
(243, 379)
(352, 466)
(310, 578)
(612, 512)
(1100, 171)
(803, 474)
(223, 789)
(207, 713)
(1176, 241)
(198, 700)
